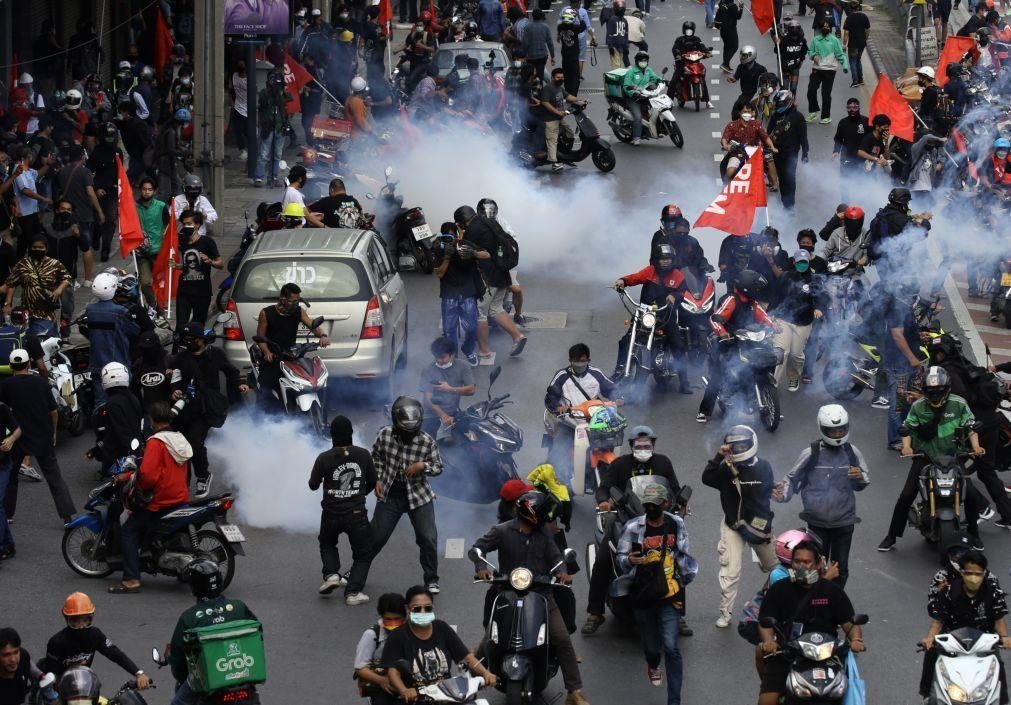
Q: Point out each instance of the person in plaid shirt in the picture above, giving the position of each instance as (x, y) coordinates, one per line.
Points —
(404, 456)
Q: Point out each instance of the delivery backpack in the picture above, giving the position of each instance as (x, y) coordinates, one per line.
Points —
(223, 655)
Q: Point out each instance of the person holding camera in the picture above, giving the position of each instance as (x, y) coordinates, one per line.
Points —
(274, 126)
(460, 287)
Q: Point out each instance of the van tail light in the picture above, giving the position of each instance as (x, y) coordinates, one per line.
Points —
(232, 328)
(372, 328)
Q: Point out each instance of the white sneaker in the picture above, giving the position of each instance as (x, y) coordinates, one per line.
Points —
(331, 583)
(86, 284)
(356, 598)
(723, 621)
(28, 472)
(987, 514)
(709, 104)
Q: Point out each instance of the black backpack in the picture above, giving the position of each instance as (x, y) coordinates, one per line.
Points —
(507, 251)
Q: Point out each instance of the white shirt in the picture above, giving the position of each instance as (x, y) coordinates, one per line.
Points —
(239, 88)
(292, 195)
(180, 204)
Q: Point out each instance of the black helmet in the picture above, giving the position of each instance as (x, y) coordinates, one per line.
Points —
(79, 685)
(782, 99)
(193, 185)
(749, 283)
(689, 25)
(110, 135)
(937, 386)
(275, 78)
(407, 415)
(488, 208)
(944, 345)
(669, 215)
(204, 578)
(641, 56)
(463, 215)
(534, 506)
(900, 197)
(768, 81)
(664, 252)
(953, 69)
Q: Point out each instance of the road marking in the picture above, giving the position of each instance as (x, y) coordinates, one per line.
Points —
(714, 116)
(993, 330)
(454, 548)
(716, 66)
(754, 556)
(715, 52)
(977, 307)
(714, 97)
(716, 39)
(717, 157)
(1003, 352)
(714, 81)
(717, 135)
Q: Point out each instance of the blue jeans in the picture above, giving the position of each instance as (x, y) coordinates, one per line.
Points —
(385, 520)
(811, 350)
(6, 537)
(658, 628)
(856, 66)
(457, 313)
(271, 142)
(635, 107)
(898, 372)
(185, 695)
(711, 14)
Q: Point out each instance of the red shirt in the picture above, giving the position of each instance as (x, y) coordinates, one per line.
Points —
(160, 472)
(750, 134)
(671, 280)
(725, 313)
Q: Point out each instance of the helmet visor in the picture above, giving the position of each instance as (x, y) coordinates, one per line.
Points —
(738, 446)
(935, 395)
(835, 432)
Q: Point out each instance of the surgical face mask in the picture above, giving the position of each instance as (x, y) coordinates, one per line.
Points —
(185, 81)
(973, 581)
(805, 576)
(689, 32)
(444, 365)
(747, 117)
(642, 64)
(801, 266)
(653, 511)
(36, 255)
(642, 455)
(419, 28)
(579, 368)
(422, 619)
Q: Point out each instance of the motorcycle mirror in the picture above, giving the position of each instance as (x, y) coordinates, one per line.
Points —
(388, 171)
(370, 197)
(496, 371)
(155, 655)
(47, 681)
(134, 445)
(317, 322)
(475, 554)
(861, 619)
(767, 622)
(665, 70)
(684, 494)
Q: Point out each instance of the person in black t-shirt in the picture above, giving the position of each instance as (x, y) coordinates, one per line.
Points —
(348, 476)
(150, 376)
(199, 254)
(460, 287)
(806, 602)
(10, 431)
(855, 31)
(17, 672)
(339, 209)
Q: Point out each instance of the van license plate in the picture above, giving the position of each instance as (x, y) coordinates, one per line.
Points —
(422, 232)
(232, 533)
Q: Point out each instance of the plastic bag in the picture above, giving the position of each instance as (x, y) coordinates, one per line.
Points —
(856, 693)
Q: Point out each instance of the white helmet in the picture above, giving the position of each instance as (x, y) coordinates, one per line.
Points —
(358, 84)
(104, 286)
(834, 424)
(115, 374)
(927, 71)
(743, 443)
(25, 79)
(73, 99)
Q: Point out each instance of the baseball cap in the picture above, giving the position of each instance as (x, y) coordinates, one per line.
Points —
(654, 494)
(19, 357)
(124, 65)
(513, 489)
(801, 256)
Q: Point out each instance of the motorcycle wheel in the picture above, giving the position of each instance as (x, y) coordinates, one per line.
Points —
(946, 536)
(769, 412)
(422, 257)
(633, 384)
(675, 135)
(77, 542)
(514, 693)
(838, 381)
(210, 545)
(622, 132)
(75, 427)
(1007, 313)
(318, 421)
(604, 161)
(221, 300)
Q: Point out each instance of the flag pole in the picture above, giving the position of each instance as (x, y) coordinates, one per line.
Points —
(779, 56)
(944, 149)
(172, 260)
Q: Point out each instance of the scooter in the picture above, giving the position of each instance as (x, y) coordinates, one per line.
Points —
(693, 77)
(967, 668)
(817, 667)
(591, 145)
(517, 645)
(751, 377)
(405, 231)
(598, 428)
(303, 380)
(658, 124)
(462, 689)
(91, 542)
(477, 451)
(648, 352)
(244, 694)
(62, 382)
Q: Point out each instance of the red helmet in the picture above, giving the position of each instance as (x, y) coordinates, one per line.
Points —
(854, 213)
(853, 221)
(426, 16)
(670, 212)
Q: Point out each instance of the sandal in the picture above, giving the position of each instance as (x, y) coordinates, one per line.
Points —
(122, 589)
(591, 625)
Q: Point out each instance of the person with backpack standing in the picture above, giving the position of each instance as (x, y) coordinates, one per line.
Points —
(486, 234)
(826, 475)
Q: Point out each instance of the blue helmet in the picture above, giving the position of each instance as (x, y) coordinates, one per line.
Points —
(183, 115)
(1002, 143)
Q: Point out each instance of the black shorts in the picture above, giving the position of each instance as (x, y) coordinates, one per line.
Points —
(774, 673)
(943, 10)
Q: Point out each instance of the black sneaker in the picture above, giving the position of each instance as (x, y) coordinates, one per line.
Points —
(1003, 524)
(7, 553)
(888, 544)
(977, 542)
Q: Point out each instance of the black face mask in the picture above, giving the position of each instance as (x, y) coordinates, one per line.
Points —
(187, 231)
(62, 221)
(36, 255)
(619, 12)
(191, 345)
(653, 512)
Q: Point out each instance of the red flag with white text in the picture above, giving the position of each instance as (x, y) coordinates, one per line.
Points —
(733, 211)
(295, 77)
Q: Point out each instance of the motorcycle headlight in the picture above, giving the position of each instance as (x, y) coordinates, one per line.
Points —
(817, 652)
(945, 482)
(521, 579)
(648, 320)
(956, 694)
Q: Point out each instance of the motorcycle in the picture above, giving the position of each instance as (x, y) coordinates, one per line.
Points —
(517, 646)
(693, 77)
(63, 384)
(659, 123)
(78, 359)
(733, 160)
(477, 451)
(941, 492)
(591, 144)
(626, 506)
(405, 231)
(302, 384)
(751, 377)
(599, 429)
(967, 668)
(91, 542)
(244, 694)
(817, 666)
(648, 351)
(1000, 304)
(693, 312)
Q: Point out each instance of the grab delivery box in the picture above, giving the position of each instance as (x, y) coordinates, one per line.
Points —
(612, 82)
(224, 655)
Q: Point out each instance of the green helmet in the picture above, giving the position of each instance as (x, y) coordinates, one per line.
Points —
(606, 419)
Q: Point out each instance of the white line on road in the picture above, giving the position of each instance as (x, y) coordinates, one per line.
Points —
(714, 81)
(717, 135)
(715, 52)
(714, 116)
(717, 157)
(977, 307)
(754, 556)
(714, 97)
(454, 548)
(993, 330)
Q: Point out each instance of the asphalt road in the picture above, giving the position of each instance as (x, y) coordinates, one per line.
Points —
(310, 640)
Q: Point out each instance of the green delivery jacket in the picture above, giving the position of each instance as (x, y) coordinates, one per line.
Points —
(205, 613)
(955, 412)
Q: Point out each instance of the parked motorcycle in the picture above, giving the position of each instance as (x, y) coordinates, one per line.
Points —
(750, 379)
(405, 231)
(591, 144)
(817, 665)
(659, 123)
(967, 670)
(91, 542)
(598, 428)
(1000, 303)
(693, 77)
(301, 388)
(648, 352)
(63, 383)
(244, 694)
(517, 645)
(477, 451)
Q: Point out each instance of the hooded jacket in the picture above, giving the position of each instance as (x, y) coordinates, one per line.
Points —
(164, 470)
(826, 488)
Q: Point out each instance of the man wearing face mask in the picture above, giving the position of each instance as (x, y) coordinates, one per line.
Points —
(193, 199)
(110, 330)
(636, 79)
(442, 384)
(827, 55)
(64, 243)
(849, 135)
(655, 541)
(199, 255)
(688, 41)
(748, 132)
(42, 280)
(788, 132)
(748, 74)
(674, 231)
(973, 599)
(805, 603)
(616, 36)
(802, 301)
(996, 174)
(153, 215)
(850, 240)
(642, 460)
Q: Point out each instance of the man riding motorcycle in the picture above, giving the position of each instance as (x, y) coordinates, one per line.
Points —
(851, 240)
(688, 41)
(660, 282)
(674, 231)
(636, 78)
(996, 176)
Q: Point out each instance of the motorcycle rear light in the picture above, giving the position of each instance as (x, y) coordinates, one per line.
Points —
(232, 328)
(234, 696)
(226, 504)
(372, 328)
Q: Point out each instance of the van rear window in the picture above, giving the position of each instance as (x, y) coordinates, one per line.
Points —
(319, 279)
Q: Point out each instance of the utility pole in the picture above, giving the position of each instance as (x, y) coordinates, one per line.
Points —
(209, 101)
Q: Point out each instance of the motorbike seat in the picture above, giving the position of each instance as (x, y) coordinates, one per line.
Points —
(204, 501)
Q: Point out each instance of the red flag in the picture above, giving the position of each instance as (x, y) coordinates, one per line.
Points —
(130, 234)
(733, 211)
(954, 49)
(764, 16)
(385, 15)
(163, 44)
(295, 77)
(888, 101)
(161, 271)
